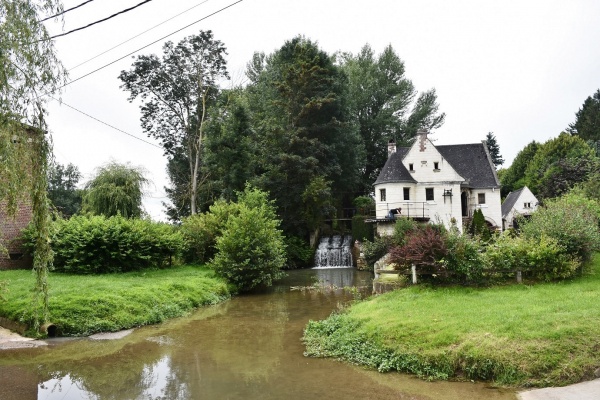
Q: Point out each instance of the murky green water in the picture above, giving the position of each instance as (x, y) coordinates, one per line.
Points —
(246, 348)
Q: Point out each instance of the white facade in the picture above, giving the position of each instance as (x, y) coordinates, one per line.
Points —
(520, 202)
(430, 189)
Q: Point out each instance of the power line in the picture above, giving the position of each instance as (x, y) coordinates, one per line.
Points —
(106, 123)
(66, 11)
(138, 35)
(148, 45)
(100, 20)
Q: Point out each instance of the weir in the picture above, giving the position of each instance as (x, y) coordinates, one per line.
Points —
(334, 252)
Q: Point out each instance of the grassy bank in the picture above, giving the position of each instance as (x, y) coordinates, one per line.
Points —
(87, 304)
(540, 335)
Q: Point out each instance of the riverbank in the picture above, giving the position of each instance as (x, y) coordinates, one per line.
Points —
(519, 335)
(81, 305)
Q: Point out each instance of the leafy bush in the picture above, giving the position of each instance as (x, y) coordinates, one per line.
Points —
(404, 227)
(425, 246)
(572, 220)
(250, 251)
(299, 254)
(360, 229)
(98, 245)
(540, 258)
(365, 205)
(464, 260)
(376, 249)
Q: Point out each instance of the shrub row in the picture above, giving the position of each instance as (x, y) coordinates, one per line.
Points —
(98, 245)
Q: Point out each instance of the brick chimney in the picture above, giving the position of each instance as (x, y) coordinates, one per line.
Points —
(422, 134)
(391, 147)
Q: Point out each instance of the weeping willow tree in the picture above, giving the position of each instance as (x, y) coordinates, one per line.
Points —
(29, 71)
(117, 189)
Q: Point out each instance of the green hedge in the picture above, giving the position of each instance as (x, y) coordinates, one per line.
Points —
(99, 245)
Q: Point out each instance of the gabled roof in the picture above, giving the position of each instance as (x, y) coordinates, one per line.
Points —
(510, 201)
(471, 161)
(394, 170)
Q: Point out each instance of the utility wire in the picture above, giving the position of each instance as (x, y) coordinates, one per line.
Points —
(107, 124)
(138, 35)
(100, 20)
(66, 11)
(148, 45)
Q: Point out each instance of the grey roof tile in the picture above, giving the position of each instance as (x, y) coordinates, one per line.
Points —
(394, 170)
(510, 201)
(472, 162)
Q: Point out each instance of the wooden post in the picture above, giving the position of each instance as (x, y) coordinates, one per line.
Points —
(413, 269)
(519, 277)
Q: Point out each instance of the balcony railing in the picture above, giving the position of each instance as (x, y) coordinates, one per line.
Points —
(409, 209)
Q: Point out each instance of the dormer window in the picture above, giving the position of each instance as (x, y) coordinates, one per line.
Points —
(436, 166)
(411, 167)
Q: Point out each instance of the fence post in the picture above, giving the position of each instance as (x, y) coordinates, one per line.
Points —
(519, 277)
(413, 269)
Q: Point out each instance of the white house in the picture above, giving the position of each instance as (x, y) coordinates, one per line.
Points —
(520, 202)
(443, 184)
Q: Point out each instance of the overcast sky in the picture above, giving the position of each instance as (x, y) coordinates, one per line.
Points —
(519, 69)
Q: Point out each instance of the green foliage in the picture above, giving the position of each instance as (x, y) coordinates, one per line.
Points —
(587, 119)
(540, 258)
(425, 246)
(175, 110)
(382, 99)
(250, 250)
(403, 228)
(510, 334)
(464, 260)
(365, 205)
(62, 188)
(100, 245)
(478, 226)
(117, 189)
(298, 252)
(513, 178)
(571, 220)
(568, 157)
(112, 302)
(376, 249)
(494, 149)
(361, 230)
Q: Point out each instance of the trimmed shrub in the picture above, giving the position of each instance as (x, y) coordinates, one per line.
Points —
(361, 230)
(99, 245)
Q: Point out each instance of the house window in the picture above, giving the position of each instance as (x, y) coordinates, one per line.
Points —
(429, 194)
(527, 205)
(406, 193)
(436, 166)
(411, 167)
(382, 194)
(481, 198)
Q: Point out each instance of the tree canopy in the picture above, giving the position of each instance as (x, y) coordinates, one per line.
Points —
(62, 188)
(587, 119)
(117, 189)
(494, 149)
(176, 92)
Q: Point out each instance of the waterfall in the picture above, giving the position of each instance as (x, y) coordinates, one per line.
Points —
(334, 252)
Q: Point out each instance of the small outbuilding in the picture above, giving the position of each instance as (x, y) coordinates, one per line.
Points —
(521, 202)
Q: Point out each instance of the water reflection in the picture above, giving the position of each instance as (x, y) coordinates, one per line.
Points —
(246, 348)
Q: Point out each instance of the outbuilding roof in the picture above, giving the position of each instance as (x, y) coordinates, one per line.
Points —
(510, 201)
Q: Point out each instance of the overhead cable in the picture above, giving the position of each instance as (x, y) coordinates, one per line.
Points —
(150, 44)
(138, 35)
(100, 20)
(66, 11)
(107, 124)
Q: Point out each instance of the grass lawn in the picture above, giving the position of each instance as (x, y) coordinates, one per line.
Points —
(87, 304)
(539, 335)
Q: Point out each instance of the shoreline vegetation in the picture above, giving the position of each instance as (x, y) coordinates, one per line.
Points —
(81, 305)
(539, 335)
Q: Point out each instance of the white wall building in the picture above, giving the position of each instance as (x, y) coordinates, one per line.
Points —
(520, 202)
(442, 184)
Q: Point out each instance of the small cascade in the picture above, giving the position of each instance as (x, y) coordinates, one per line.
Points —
(334, 252)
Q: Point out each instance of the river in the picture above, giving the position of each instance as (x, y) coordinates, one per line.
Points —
(246, 348)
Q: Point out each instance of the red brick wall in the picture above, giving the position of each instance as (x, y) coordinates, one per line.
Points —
(10, 230)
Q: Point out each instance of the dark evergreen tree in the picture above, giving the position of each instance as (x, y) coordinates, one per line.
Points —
(62, 188)
(587, 121)
(494, 149)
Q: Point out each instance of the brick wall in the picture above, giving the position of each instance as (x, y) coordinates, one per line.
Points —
(10, 230)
